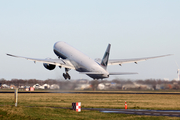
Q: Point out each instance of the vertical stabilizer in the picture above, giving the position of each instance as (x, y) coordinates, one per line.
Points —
(105, 59)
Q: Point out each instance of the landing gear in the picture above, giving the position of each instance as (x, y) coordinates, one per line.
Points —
(66, 75)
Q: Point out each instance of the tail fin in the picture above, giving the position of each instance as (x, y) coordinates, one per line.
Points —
(105, 59)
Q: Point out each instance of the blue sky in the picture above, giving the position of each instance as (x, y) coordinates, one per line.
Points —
(140, 28)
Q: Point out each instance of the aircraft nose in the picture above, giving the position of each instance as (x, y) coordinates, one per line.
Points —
(58, 44)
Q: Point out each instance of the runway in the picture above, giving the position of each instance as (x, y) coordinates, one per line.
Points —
(94, 92)
(171, 113)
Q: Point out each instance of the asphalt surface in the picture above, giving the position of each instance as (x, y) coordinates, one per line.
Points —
(171, 113)
(96, 92)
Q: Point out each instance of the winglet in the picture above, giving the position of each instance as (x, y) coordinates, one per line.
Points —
(9, 55)
(105, 59)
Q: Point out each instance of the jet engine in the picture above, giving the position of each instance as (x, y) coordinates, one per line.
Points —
(49, 66)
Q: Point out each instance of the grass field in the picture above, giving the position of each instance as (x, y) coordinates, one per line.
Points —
(43, 100)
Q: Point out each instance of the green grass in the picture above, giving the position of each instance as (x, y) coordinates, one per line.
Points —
(134, 101)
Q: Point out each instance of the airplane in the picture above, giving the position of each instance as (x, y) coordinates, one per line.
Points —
(71, 58)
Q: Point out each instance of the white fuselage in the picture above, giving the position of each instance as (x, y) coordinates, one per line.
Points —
(80, 61)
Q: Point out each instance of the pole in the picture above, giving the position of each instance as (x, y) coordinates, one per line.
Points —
(16, 96)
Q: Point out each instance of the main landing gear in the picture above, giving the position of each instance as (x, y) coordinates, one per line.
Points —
(66, 75)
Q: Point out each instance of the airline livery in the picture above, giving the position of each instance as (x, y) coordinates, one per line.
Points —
(71, 58)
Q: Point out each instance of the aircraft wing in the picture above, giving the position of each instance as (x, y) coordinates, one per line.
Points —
(135, 60)
(58, 62)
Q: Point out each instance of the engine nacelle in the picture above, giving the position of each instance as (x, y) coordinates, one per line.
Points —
(49, 66)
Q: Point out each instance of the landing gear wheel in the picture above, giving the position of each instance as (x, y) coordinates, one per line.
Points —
(68, 76)
(65, 76)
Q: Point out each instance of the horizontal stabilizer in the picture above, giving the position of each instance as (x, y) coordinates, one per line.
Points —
(121, 73)
(99, 73)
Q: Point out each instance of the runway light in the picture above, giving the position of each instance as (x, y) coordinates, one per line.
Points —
(125, 105)
(76, 106)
